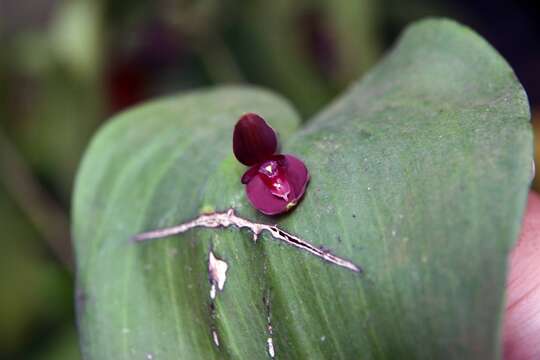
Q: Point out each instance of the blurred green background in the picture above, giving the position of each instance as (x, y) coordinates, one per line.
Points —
(66, 66)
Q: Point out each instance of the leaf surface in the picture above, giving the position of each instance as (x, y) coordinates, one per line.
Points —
(419, 174)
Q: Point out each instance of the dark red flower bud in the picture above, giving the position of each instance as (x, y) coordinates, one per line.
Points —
(274, 183)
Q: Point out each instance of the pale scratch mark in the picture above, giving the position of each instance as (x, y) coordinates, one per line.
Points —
(215, 337)
(217, 274)
(270, 339)
(228, 218)
(213, 327)
(271, 351)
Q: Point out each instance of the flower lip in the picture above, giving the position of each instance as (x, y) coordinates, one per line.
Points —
(273, 175)
(254, 141)
(261, 195)
(254, 170)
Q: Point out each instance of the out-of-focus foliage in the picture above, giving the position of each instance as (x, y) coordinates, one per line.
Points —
(36, 292)
(536, 128)
(65, 65)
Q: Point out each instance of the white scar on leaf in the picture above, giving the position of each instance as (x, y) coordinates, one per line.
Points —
(217, 274)
(229, 218)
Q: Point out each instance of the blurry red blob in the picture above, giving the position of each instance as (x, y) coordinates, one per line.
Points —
(274, 182)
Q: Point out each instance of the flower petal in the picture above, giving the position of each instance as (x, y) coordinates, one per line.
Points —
(253, 140)
(261, 197)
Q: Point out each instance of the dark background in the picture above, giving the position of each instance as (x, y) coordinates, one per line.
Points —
(66, 66)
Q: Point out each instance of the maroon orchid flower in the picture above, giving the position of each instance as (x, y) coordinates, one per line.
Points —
(274, 182)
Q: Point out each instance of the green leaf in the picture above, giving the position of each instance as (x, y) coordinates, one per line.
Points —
(419, 174)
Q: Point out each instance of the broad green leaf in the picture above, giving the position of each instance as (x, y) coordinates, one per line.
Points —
(419, 175)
